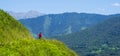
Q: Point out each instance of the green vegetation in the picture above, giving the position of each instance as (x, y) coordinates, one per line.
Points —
(11, 29)
(27, 47)
(15, 40)
(100, 40)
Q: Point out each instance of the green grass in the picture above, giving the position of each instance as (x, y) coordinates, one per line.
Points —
(11, 29)
(27, 47)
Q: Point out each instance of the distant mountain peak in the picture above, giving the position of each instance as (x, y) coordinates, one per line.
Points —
(24, 15)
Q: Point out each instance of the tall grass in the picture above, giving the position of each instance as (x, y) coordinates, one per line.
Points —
(27, 47)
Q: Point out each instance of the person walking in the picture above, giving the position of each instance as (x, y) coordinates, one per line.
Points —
(40, 35)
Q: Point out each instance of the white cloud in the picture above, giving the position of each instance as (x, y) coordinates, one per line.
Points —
(116, 4)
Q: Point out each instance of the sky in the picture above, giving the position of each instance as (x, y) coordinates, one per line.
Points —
(61, 6)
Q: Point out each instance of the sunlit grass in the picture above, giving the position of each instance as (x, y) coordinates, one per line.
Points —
(27, 47)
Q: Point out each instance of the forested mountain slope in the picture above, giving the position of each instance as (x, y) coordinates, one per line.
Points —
(61, 24)
(100, 40)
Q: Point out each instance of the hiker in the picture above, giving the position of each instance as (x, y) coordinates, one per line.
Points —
(40, 35)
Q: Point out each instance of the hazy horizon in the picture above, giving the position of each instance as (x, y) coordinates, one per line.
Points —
(105, 7)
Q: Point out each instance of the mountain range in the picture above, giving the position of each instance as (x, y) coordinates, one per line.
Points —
(25, 15)
(62, 24)
(102, 39)
(87, 34)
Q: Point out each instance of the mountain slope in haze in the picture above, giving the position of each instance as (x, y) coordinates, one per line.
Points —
(15, 40)
(25, 15)
(61, 24)
(100, 40)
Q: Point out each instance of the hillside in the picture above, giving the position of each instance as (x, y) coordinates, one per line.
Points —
(15, 40)
(11, 29)
(61, 24)
(27, 47)
(100, 40)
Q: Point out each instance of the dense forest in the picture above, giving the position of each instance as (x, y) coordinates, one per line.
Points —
(99, 40)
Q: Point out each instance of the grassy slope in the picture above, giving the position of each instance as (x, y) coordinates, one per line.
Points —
(15, 40)
(27, 47)
(11, 29)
